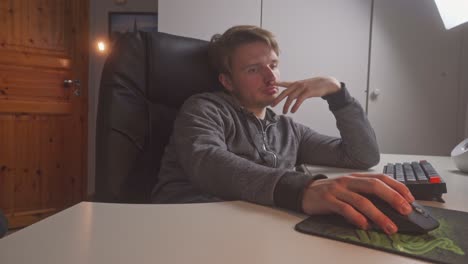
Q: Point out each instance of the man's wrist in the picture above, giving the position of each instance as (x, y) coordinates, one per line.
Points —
(339, 99)
(305, 200)
(335, 86)
(289, 190)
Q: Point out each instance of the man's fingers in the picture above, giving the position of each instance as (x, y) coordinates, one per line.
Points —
(352, 215)
(284, 84)
(298, 103)
(290, 87)
(287, 104)
(293, 91)
(377, 186)
(291, 97)
(398, 186)
(366, 207)
(281, 96)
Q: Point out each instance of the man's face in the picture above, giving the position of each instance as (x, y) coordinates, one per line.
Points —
(254, 71)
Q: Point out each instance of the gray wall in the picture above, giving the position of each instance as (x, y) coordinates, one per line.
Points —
(98, 29)
(195, 19)
(416, 65)
(464, 80)
(311, 47)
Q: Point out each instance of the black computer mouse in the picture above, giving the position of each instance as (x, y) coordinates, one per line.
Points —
(419, 221)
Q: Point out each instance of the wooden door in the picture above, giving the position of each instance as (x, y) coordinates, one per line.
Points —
(42, 123)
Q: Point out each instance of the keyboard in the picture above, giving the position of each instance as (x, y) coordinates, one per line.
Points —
(424, 182)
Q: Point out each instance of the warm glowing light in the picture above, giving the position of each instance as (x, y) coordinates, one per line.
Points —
(101, 45)
(453, 12)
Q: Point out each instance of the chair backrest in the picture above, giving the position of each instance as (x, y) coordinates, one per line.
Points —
(3, 224)
(145, 80)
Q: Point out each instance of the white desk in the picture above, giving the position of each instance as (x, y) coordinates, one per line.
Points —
(227, 232)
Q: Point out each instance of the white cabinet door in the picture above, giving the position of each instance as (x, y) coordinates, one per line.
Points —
(318, 37)
(464, 81)
(204, 18)
(415, 68)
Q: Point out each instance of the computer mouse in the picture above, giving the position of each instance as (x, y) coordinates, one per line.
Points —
(419, 221)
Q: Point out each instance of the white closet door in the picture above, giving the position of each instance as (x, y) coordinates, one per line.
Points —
(204, 18)
(321, 37)
(464, 81)
(415, 68)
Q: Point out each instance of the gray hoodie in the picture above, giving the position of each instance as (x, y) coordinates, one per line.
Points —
(220, 151)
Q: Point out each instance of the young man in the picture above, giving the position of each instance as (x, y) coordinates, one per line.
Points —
(229, 145)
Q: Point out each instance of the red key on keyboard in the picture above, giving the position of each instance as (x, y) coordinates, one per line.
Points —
(434, 179)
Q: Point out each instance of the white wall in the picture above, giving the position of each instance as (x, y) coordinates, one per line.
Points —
(309, 47)
(464, 80)
(204, 18)
(466, 121)
(416, 65)
(99, 30)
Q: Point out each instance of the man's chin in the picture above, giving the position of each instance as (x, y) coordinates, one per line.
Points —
(269, 102)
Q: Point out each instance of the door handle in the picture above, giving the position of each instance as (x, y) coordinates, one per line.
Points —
(375, 94)
(73, 83)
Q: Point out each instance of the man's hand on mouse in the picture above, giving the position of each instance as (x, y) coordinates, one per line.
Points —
(341, 196)
(299, 91)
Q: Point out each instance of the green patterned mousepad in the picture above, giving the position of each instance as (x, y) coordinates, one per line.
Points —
(446, 244)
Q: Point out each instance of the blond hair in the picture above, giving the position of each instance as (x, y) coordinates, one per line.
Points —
(223, 46)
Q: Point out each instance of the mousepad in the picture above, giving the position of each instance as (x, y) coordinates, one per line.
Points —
(446, 244)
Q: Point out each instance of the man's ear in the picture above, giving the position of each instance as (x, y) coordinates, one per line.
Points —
(225, 80)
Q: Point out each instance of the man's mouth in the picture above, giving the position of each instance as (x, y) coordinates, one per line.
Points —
(271, 90)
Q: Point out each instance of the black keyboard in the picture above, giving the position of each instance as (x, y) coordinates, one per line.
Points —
(420, 177)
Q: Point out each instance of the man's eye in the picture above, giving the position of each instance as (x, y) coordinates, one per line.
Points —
(274, 66)
(252, 70)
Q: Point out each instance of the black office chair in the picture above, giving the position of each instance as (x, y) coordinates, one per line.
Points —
(3, 224)
(145, 80)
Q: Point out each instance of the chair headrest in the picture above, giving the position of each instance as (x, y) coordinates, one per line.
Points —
(180, 67)
(174, 67)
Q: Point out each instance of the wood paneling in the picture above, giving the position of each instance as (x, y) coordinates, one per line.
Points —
(39, 84)
(43, 26)
(42, 123)
(35, 174)
(19, 106)
(22, 219)
(27, 58)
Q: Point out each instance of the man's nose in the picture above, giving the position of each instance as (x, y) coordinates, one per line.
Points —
(268, 74)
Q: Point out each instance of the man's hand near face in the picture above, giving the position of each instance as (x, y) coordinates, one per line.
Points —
(343, 195)
(299, 91)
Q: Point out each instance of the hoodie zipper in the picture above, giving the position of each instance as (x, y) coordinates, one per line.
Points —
(264, 137)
